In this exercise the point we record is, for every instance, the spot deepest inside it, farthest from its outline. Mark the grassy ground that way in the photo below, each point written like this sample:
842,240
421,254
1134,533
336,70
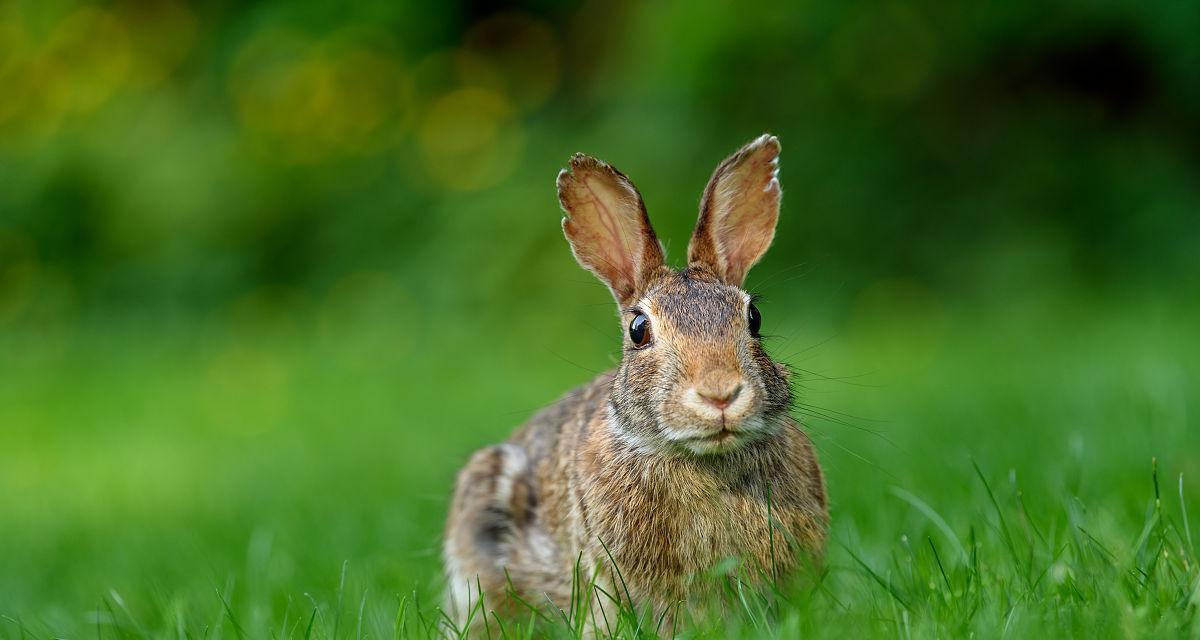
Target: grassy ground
285,473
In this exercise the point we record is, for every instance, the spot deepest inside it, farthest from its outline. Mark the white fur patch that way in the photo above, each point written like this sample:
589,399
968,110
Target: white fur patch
461,591
513,463
635,441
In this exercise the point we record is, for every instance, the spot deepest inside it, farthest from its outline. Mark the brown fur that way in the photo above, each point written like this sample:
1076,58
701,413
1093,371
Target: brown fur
607,225
673,460
738,211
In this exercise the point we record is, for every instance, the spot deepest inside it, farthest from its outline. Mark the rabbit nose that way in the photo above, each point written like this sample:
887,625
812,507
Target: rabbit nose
720,397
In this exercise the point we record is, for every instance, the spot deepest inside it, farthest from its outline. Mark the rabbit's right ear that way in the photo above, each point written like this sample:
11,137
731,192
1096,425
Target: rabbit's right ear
607,226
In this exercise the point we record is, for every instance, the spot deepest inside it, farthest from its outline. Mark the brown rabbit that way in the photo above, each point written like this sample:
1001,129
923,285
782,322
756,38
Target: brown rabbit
668,465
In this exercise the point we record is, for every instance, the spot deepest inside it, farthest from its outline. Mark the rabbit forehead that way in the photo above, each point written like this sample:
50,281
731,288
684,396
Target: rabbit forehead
696,304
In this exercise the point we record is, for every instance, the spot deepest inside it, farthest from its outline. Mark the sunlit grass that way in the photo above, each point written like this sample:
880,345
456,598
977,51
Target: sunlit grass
266,480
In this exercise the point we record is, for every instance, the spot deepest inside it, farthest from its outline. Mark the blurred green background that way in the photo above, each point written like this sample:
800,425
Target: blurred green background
270,271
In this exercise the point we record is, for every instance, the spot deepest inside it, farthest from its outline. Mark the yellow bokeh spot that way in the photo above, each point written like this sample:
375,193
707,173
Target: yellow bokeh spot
470,139
313,101
90,51
16,75
74,68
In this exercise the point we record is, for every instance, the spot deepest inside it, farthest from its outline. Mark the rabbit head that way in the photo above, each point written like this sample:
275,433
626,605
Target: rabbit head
694,378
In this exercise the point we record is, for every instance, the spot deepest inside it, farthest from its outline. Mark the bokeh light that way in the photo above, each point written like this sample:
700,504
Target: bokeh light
470,138
312,99
271,271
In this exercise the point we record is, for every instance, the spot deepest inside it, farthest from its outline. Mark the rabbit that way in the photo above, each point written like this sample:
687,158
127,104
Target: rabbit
651,474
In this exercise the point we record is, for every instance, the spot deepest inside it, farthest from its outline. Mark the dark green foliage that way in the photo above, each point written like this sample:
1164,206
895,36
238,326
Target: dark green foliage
270,271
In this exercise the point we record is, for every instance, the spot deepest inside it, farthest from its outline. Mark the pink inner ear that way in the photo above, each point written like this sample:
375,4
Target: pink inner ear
620,253
749,213
606,224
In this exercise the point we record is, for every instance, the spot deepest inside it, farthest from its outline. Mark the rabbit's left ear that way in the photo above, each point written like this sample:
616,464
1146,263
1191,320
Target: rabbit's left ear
738,212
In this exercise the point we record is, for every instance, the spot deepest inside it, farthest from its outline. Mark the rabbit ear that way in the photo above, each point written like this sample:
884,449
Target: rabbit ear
607,226
738,212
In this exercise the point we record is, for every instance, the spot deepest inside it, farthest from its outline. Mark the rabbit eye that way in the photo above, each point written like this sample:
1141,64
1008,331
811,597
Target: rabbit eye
639,330
754,319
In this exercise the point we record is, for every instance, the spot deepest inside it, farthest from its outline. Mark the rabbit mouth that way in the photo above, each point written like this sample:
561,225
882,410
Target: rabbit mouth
725,436
714,443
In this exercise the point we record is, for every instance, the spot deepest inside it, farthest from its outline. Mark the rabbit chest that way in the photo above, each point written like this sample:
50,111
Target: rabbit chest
668,522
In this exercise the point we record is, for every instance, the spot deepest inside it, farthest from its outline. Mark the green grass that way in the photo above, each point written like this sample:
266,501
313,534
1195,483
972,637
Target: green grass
285,473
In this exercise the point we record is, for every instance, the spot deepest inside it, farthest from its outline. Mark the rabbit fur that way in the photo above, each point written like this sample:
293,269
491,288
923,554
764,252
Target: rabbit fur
665,466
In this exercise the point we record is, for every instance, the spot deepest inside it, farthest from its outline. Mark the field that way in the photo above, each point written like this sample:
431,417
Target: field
283,469
270,272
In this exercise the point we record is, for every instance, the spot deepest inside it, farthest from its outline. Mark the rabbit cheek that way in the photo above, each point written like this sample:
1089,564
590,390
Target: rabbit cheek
636,399
775,380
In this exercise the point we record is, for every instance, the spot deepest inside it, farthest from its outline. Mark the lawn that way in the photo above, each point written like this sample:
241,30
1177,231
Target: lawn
271,271
283,469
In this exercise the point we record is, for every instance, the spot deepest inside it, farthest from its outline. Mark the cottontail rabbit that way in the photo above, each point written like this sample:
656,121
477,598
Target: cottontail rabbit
668,465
